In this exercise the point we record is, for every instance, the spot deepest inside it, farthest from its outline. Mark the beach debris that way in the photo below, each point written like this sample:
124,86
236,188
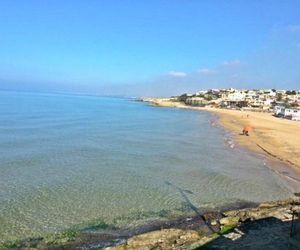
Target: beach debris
229,142
232,236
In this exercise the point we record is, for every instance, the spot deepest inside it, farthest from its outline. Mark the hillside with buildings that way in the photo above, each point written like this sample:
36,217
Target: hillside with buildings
284,103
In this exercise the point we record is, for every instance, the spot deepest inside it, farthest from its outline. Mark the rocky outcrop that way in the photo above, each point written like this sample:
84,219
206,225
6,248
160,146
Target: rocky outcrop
163,239
281,210
266,225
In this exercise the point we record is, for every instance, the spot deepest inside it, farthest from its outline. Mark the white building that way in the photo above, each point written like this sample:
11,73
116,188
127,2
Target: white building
279,111
196,101
288,113
280,91
268,102
292,114
201,92
294,98
236,96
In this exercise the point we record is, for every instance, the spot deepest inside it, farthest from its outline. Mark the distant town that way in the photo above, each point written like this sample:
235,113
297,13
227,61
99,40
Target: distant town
283,103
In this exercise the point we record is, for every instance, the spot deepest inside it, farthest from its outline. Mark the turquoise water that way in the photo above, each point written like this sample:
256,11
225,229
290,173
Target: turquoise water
74,160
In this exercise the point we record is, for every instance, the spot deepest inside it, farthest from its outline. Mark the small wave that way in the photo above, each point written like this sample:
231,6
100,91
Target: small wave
229,142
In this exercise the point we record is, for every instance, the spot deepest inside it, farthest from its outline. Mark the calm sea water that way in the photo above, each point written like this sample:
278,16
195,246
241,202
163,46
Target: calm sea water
77,160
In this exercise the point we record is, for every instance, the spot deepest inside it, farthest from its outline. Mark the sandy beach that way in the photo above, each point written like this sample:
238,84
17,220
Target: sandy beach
272,136
279,138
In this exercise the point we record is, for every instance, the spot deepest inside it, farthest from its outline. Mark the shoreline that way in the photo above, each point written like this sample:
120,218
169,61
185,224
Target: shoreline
274,138
257,228
186,232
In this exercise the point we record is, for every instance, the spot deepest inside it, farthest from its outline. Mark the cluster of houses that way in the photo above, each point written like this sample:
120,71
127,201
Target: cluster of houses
284,103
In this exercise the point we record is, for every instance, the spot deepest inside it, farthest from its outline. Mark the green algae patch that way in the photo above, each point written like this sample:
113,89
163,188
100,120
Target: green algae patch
23,244
226,229
9,245
60,238
99,225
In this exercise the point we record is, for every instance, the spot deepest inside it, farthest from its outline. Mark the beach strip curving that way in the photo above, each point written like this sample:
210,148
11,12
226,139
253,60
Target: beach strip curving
272,136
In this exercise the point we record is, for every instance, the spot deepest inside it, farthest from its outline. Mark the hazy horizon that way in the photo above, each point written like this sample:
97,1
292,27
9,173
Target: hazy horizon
134,48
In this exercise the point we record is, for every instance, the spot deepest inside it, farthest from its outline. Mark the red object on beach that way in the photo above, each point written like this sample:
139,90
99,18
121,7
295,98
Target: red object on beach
247,128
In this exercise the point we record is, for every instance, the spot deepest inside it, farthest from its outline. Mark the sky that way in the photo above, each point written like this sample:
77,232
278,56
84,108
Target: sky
157,47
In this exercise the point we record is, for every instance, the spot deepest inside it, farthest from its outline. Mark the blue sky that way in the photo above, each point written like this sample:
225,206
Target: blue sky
133,47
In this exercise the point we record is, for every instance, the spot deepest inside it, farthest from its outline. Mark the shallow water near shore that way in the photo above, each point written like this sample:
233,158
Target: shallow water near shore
78,160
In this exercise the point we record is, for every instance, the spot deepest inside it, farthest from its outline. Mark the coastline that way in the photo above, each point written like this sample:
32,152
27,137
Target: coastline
276,139
255,225
260,227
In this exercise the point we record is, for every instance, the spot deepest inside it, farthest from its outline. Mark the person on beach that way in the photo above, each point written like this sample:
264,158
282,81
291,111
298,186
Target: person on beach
246,130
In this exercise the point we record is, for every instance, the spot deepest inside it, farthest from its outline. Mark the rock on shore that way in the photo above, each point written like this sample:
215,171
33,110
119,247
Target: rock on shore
164,239
266,226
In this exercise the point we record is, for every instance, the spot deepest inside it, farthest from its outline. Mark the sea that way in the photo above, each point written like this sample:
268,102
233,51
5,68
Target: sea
73,161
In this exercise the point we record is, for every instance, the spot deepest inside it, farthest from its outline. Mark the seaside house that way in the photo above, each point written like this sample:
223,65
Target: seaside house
268,102
295,103
279,111
250,95
201,93
236,96
196,101
280,91
293,98
288,113
257,103
292,114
